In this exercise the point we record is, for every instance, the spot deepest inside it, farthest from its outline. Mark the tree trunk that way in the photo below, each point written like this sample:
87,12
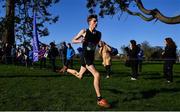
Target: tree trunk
9,36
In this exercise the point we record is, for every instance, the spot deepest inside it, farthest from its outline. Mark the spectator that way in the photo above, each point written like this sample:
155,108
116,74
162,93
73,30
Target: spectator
7,53
42,57
13,54
132,53
140,58
53,52
25,55
69,56
63,52
104,51
30,57
169,56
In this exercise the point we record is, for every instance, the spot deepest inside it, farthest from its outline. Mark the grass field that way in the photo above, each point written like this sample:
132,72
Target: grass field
27,89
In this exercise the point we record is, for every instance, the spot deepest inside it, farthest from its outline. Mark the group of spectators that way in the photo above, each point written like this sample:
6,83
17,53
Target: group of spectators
135,57
23,55
19,55
66,52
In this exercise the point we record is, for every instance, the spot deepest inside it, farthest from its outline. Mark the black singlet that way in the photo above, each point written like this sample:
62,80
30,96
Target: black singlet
89,46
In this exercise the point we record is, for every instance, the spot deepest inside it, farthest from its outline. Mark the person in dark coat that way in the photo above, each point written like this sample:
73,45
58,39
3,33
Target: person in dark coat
63,52
53,52
169,56
7,53
133,58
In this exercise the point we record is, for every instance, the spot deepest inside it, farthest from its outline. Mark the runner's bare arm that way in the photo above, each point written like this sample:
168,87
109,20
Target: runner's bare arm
78,38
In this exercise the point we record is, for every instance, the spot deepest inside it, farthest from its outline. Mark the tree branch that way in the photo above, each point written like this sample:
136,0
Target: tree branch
157,14
140,15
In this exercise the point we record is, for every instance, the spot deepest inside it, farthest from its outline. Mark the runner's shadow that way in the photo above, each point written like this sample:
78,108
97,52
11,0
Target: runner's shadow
113,104
114,91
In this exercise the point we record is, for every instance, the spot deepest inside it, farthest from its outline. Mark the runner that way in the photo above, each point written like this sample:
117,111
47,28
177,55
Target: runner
89,38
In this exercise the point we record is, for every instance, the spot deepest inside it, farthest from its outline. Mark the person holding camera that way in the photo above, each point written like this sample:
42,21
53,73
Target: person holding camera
132,53
105,52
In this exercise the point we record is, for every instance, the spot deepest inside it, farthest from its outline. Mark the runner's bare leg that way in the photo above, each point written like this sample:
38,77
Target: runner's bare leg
96,75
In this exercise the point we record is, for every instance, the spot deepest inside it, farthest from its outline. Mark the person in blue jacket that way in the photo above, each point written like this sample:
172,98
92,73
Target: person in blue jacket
69,56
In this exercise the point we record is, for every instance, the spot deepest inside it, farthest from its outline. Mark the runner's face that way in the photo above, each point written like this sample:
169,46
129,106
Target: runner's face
93,23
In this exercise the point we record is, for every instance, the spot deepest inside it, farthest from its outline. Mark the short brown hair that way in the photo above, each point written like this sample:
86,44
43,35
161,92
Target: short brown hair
90,17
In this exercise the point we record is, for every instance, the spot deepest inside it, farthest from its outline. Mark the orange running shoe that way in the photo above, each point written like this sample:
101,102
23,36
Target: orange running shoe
103,103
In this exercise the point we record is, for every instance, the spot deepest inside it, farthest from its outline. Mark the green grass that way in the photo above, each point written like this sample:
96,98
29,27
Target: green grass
27,89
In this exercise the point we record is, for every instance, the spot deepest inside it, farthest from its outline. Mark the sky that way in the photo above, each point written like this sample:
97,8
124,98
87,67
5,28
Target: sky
116,32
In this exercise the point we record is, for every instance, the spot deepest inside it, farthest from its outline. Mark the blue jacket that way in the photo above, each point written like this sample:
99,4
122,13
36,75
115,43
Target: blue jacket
70,53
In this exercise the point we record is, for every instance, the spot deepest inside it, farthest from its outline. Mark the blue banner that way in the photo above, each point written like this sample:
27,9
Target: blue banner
35,39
